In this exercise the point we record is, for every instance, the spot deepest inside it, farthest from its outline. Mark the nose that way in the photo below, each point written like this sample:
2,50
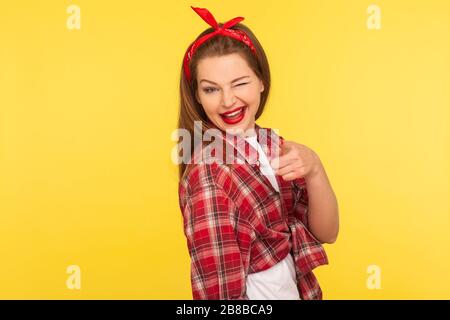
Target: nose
228,98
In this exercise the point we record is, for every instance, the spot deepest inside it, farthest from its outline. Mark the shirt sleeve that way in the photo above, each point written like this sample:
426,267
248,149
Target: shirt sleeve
300,209
301,201
217,271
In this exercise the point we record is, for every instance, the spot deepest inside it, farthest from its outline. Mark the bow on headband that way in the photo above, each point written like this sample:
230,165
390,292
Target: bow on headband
224,30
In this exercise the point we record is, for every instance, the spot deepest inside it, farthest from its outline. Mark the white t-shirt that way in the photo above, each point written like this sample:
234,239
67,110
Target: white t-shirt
264,164
279,281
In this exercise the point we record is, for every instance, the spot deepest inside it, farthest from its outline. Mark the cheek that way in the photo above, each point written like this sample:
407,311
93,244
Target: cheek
211,107
209,103
252,98
252,93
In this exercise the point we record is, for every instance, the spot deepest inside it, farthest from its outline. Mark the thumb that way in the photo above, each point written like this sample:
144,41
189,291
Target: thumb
285,146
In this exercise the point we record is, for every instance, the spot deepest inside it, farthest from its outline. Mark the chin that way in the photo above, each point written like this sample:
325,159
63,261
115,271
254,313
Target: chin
241,127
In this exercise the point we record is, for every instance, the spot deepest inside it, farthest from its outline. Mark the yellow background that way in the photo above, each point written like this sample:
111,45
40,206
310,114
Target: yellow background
86,118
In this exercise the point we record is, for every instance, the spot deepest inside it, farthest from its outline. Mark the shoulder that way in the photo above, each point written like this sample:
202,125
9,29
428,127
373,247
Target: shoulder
204,176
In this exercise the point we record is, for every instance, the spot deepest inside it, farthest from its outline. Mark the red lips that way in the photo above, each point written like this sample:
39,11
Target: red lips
236,118
228,112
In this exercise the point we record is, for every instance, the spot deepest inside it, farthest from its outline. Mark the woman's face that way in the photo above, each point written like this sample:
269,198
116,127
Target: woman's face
229,92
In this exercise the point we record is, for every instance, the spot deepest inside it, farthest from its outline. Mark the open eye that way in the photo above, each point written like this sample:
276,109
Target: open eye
209,89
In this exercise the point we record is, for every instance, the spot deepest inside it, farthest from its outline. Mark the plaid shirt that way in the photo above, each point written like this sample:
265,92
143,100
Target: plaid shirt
236,224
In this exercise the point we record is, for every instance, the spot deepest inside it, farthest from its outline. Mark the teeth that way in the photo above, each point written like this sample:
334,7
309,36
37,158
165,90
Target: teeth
233,114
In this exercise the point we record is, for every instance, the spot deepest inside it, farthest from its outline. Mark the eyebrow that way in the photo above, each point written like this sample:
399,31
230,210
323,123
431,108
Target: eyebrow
237,79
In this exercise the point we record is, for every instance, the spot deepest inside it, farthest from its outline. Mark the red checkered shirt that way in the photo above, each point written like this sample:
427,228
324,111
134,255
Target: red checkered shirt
236,224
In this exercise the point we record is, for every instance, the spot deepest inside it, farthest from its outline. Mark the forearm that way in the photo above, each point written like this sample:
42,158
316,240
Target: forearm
323,212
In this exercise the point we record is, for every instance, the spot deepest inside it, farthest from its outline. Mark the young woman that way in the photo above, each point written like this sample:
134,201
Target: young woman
254,228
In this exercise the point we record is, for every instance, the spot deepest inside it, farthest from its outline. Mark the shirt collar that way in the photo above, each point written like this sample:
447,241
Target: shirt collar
267,138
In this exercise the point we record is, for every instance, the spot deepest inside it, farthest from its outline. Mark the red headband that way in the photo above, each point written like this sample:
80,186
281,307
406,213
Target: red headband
224,30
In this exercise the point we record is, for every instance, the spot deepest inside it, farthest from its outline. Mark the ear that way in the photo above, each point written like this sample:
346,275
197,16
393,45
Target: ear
262,86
